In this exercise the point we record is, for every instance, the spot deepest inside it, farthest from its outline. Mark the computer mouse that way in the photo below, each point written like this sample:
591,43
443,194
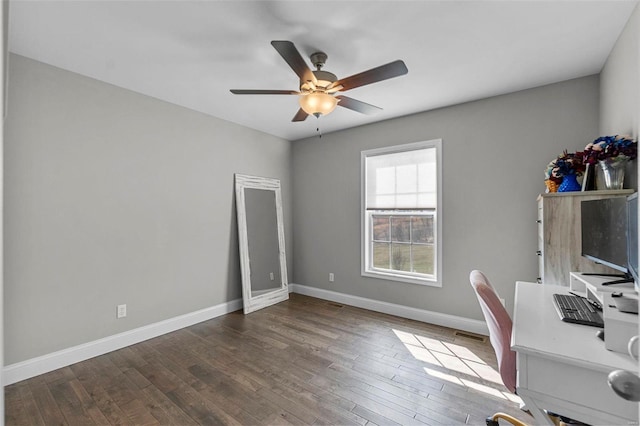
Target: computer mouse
600,334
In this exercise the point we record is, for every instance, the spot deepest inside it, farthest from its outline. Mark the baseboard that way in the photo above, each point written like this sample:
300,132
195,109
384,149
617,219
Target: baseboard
445,320
33,367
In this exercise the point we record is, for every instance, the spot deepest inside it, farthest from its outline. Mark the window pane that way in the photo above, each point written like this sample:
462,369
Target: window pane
400,228
422,229
427,177
406,200
423,259
407,179
381,228
386,201
401,257
381,255
412,172
385,182
428,199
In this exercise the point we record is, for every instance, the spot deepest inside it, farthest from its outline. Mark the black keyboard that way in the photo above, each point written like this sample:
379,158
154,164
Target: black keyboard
574,309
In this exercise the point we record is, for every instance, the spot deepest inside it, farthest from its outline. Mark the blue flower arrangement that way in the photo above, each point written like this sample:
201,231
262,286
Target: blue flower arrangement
566,164
611,147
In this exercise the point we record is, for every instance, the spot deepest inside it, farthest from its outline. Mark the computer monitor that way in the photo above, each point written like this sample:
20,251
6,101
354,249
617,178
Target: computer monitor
632,239
604,232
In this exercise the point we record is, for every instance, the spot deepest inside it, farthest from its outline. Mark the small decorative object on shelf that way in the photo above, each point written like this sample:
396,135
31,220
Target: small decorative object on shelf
589,177
613,171
552,186
569,183
612,153
562,173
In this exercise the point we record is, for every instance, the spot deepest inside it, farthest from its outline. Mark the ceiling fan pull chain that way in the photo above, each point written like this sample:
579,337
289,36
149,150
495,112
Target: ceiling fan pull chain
318,128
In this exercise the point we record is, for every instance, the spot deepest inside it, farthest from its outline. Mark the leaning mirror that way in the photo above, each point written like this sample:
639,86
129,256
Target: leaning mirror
261,240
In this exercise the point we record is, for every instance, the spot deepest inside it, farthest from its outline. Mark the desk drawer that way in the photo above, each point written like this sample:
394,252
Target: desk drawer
574,384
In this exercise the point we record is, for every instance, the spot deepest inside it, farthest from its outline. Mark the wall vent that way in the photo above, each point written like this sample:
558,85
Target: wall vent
472,336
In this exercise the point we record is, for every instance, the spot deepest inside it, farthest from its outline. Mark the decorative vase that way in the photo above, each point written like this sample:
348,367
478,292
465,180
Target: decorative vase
569,184
613,171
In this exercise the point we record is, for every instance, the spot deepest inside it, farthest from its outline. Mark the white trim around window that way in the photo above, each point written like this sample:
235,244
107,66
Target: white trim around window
415,202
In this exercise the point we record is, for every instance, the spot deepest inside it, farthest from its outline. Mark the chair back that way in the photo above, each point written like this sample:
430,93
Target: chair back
499,324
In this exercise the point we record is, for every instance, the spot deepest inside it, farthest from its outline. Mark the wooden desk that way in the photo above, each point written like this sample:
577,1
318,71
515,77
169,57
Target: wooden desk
563,367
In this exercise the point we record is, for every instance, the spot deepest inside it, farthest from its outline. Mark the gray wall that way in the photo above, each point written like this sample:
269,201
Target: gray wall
620,83
620,90
494,154
112,197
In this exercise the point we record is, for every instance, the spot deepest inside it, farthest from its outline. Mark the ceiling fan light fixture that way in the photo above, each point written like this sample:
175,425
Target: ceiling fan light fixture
318,103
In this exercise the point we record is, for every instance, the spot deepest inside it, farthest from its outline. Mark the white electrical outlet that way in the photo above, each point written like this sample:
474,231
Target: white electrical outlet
121,311
331,277
271,277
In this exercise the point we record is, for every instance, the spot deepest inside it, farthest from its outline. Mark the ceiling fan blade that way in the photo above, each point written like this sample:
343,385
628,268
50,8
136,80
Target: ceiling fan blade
290,54
300,115
357,105
263,92
383,72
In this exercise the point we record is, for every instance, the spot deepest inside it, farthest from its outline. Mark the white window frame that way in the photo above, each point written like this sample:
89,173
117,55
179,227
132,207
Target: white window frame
414,278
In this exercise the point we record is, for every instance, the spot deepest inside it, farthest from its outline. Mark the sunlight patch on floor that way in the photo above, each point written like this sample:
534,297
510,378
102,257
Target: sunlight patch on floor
454,363
485,371
422,354
463,352
433,344
472,385
455,358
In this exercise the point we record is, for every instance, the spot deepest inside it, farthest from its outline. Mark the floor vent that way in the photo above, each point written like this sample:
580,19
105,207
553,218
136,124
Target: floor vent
472,336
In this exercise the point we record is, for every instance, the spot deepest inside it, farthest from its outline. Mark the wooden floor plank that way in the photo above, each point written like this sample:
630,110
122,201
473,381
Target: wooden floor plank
163,409
88,404
237,399
70,404
46,403
373,417
296,410
34,415
303,361
111,411
189,401
15,406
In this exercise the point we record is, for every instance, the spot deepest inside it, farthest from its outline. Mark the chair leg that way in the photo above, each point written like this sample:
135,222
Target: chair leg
493,420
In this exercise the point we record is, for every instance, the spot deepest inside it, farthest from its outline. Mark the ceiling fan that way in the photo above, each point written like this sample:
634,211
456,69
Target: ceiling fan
318,89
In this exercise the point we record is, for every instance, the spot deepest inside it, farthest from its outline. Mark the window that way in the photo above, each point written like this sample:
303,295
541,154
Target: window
401,232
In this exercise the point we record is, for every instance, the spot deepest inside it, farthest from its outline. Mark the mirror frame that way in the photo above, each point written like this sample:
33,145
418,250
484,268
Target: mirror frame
251,303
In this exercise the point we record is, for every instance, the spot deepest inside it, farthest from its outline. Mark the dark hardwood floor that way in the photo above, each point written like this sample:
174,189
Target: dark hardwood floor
303,361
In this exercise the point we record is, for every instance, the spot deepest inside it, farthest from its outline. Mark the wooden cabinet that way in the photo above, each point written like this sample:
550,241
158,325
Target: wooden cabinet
560,238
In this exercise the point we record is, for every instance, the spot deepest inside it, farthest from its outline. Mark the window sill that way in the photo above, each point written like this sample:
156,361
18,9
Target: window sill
400,278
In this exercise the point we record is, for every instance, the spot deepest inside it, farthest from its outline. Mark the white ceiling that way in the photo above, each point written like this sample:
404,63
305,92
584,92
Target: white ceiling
192,52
